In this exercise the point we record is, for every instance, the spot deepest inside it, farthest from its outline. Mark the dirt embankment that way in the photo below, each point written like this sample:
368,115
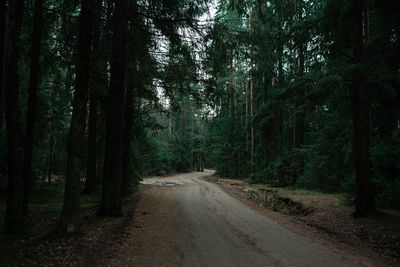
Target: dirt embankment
273,199
327,215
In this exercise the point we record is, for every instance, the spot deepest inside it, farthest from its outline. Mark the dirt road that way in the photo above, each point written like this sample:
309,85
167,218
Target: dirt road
184,220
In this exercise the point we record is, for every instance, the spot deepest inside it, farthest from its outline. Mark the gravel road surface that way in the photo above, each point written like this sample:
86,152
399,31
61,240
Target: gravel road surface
184,220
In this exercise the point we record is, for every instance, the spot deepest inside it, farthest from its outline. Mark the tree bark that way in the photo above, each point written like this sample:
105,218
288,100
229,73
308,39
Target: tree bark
299,115
279,112
129,112
127,139
364,202
14,217
3,10
252,132
92,181
252,135
32,101
111,202
69,217
300,125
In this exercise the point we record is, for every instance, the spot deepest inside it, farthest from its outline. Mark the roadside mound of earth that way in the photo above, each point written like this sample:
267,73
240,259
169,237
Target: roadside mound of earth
326,214
273,199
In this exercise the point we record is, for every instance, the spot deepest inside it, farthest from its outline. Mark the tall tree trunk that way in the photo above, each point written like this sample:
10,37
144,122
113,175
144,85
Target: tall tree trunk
246,117
361,124
3,10
92,181
299,95
300,114
252,136
69,217
299,98
300,125
52,144
252,132
111,202
127,139
279,112
14,217
32,102
51,141
281,78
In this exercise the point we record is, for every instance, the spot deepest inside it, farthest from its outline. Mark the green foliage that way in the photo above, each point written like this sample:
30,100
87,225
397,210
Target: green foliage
168,116
260,94
386,160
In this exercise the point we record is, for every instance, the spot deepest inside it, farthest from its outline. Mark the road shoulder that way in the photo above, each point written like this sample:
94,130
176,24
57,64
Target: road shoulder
308,224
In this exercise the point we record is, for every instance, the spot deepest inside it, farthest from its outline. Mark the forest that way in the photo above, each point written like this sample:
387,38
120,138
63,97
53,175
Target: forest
96,95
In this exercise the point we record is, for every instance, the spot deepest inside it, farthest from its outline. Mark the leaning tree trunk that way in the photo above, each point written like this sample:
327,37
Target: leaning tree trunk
14,217
70,213
111,202
91,182
32,102
3,10
361,120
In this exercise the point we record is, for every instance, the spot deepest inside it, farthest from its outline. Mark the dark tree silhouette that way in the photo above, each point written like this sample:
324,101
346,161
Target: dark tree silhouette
70,213
111,201
14,218
361,118
34,78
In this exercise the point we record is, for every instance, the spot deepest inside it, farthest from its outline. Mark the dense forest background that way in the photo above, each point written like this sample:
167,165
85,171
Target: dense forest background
294,82
98,94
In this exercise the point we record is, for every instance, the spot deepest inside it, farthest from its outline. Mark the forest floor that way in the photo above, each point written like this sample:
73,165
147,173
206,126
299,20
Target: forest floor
97,239
197,219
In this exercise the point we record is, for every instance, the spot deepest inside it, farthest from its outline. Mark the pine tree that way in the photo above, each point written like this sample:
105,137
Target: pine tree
34,80
111,201
70,215
14,217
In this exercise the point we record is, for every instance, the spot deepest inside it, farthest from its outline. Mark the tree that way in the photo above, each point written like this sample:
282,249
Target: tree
111,201
14,217
95,85
131,93
3,11
69,218
127,139
361,115
300,64
32,102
